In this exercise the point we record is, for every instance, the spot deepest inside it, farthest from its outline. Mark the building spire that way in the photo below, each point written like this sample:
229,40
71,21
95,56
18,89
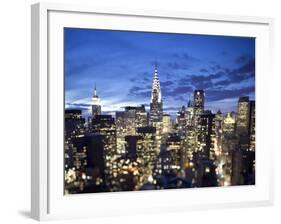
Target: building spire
95,91
156,90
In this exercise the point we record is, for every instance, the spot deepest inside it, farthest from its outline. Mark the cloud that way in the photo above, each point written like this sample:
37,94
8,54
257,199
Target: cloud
242,59
142,77
81,106
180,90
166,83
177,66
185,56
219,94
135,93
245,72
203,70
200,81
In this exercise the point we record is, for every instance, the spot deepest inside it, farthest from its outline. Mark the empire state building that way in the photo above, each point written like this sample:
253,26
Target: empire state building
96,104
156,103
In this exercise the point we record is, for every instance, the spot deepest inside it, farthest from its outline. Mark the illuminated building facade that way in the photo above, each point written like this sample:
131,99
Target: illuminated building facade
174,146
139,151
229,124
252,126
207,134
189,114
75,157
74,123
125,125
242,126
181,121
156,104
167,124
156,109
147,150
105,125
96,104
199,101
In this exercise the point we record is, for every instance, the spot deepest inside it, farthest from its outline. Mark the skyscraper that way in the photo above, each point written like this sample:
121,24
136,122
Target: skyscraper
125,125
74,123
199,100
189,113
207,133
146,151
229,125
105,125
243,120
96,106
252,125
167,124
156,109
156,104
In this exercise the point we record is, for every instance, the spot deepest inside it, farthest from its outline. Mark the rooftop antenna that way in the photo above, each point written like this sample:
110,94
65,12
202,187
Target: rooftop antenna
95,91
156,65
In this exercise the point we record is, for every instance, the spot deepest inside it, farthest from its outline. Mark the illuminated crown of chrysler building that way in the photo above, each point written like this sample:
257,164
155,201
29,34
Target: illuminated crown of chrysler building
156,105
156,90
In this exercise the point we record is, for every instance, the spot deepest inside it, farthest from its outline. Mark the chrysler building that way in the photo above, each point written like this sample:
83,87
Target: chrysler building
156,103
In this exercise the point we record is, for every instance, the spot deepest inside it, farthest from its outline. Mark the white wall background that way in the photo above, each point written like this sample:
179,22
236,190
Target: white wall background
15,110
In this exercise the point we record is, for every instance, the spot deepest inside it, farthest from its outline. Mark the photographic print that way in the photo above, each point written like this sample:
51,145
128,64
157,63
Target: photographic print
156,111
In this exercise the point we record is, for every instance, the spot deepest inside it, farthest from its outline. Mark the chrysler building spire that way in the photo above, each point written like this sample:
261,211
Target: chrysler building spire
156,90
156,105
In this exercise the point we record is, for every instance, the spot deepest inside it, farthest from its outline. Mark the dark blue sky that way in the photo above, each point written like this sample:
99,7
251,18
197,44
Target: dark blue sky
122,66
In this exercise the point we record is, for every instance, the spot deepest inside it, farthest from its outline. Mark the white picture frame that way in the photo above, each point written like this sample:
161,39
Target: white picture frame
47,198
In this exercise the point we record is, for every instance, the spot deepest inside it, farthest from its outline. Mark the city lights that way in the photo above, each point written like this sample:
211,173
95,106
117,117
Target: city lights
136,150
157,111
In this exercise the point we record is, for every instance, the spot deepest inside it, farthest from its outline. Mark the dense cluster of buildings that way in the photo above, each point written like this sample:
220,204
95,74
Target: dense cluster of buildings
145,150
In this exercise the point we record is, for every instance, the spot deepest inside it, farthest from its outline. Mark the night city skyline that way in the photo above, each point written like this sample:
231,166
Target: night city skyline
154,111
223,66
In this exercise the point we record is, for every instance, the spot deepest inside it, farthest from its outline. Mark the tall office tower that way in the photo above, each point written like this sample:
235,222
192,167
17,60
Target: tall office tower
90,157
243,167
74,123
237,167
189,140
242,126
127,122
167,124
96,104
228,125
156,109
146,150
141,117
205,171
218,121
173,145
218,128
105,125
125,125
189,145
199,100
156,104
181,121
131,145
163,163
207,134
252,126
189,113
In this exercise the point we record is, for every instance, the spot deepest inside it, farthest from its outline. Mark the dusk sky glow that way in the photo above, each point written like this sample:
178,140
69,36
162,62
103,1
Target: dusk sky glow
121,64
